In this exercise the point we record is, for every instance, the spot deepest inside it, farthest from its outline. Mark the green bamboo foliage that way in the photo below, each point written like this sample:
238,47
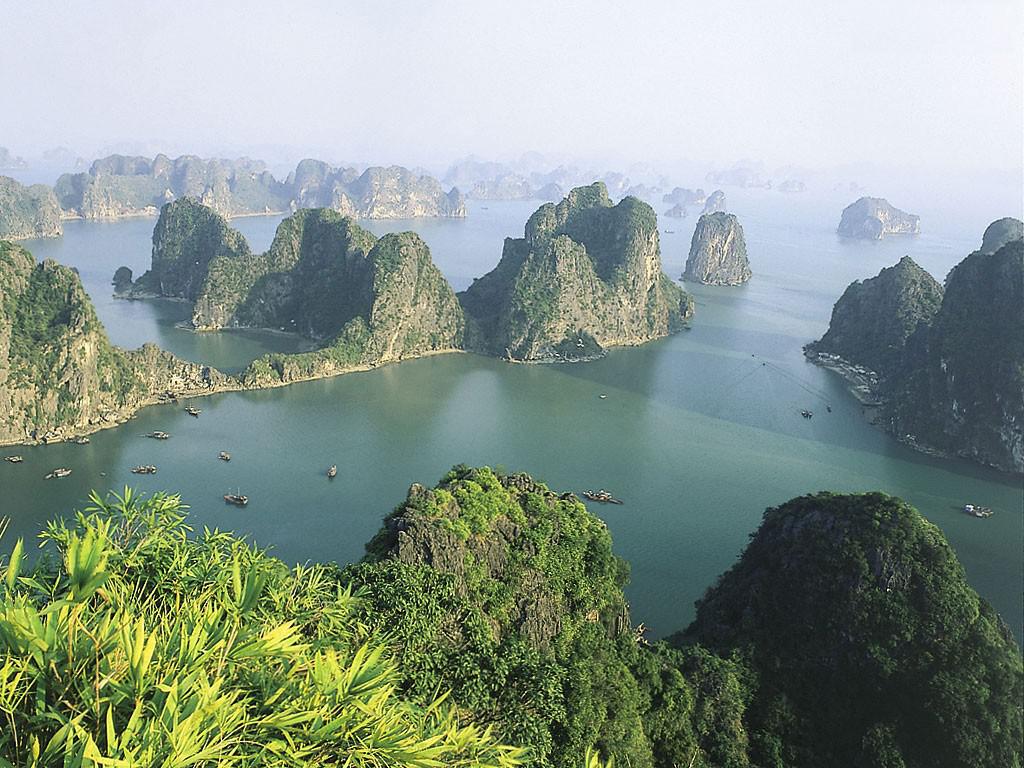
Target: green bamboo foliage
132,643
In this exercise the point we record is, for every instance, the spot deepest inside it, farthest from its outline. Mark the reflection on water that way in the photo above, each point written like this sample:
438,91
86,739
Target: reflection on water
698,433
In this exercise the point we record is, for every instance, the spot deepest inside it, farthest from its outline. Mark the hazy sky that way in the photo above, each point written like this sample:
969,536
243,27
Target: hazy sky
920,84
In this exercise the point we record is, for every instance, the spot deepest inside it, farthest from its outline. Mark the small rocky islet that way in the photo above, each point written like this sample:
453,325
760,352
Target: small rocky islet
718,252
872,218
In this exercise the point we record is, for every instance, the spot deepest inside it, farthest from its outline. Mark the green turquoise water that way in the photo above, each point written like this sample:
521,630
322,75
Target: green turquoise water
698,433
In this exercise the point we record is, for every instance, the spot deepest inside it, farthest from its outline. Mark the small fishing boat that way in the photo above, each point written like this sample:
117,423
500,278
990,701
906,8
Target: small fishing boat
601,496
237,499
224,456
976,510
80,440
14,459
603,396
193,411
158,435
144,469
807,414
58,472
333,471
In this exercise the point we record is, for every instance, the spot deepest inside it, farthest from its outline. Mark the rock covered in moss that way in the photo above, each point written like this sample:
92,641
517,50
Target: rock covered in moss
583,266
868,644
873,318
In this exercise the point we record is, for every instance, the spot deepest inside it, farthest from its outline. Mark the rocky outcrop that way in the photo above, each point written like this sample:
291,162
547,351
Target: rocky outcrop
119,186
872,218
509,186
718,252
585,276
715,202
1001,232
873,318
378,193
122,281
27,211
677,211
959,388
187,237
860,593
683,196
484,528
59,374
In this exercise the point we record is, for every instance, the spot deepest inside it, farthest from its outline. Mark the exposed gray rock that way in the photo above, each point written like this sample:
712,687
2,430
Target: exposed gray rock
872,218
718,252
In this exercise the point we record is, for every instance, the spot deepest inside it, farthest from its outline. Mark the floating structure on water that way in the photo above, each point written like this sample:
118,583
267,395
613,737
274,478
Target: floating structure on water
83,440
14,459
807,414
158,435
976,510
333,471
144,469
237,499
192,411
602,496
58,472
224,456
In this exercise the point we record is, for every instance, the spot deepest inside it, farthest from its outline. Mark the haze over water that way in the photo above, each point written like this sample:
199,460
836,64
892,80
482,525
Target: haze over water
698,433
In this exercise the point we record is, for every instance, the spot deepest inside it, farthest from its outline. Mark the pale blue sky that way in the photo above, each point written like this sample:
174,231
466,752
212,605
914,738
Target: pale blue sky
921,84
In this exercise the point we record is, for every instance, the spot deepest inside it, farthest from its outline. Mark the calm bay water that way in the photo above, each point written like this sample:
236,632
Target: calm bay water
698,433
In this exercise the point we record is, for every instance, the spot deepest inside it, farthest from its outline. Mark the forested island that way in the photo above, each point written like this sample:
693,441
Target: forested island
945,364
587,276
120,185
487,626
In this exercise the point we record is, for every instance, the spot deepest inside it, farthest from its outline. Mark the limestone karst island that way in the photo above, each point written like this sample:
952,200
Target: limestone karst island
511,385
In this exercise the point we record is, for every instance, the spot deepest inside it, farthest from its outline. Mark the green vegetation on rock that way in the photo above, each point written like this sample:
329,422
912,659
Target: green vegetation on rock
867,645
136,644
583,266
873,318
27,211
59,374
489,610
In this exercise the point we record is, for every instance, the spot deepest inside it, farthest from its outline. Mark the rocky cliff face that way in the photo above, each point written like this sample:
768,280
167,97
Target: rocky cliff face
718,252
715,202
392,304
378,193
872,218
118,186
59,375
27,211
677,211
585,276
873,318
960,385
187,237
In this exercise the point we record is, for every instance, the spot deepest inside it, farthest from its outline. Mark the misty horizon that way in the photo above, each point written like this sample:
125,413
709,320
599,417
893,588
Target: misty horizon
937,87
